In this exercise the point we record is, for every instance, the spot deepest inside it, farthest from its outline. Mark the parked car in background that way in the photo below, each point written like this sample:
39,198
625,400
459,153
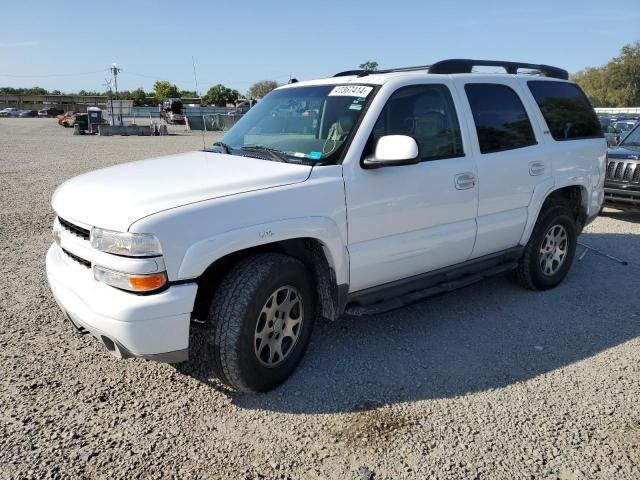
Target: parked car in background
50,112
624,126
9,112
28,113
613,135
172,110
622,183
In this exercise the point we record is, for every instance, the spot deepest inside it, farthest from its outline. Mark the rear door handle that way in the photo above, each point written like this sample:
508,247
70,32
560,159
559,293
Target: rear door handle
536,168
464,181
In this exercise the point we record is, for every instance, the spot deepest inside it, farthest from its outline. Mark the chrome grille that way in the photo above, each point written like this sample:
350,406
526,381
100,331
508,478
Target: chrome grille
623,171
77,259
74,229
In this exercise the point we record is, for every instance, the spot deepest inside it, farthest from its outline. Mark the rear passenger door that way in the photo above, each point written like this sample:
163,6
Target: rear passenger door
510,159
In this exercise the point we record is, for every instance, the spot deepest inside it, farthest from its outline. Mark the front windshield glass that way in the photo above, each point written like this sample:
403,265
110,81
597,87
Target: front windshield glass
632,139
299,124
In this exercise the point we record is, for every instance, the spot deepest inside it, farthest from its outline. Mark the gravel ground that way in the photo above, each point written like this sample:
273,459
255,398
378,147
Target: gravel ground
488,382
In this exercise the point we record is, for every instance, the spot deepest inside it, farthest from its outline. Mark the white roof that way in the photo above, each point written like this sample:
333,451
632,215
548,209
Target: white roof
382,78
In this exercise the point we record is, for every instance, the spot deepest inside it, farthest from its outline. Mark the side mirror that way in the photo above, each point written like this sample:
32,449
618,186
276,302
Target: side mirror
393,150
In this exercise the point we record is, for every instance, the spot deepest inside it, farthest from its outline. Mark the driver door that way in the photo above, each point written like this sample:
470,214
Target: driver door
411,219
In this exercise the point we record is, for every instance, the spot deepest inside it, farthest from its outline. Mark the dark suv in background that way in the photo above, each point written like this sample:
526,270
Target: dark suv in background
50,112
622,184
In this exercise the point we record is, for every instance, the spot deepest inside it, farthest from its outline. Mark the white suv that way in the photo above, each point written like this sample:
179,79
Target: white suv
360,193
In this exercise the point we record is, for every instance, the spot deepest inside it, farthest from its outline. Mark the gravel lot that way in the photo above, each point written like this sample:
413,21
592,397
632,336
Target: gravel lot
488,382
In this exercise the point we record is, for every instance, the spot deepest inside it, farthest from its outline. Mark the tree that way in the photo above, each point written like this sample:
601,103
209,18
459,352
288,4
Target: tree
220,95
165,89
188,94
261,88
617,84
369,65
139,97
56,92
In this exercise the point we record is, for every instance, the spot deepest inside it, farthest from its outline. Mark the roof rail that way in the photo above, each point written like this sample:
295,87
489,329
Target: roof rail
466,66
362,73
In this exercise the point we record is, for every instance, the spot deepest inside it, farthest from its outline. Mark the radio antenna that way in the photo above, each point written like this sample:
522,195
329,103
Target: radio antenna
204,124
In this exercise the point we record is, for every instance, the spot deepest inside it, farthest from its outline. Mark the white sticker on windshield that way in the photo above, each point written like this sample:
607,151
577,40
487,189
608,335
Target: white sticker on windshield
350,91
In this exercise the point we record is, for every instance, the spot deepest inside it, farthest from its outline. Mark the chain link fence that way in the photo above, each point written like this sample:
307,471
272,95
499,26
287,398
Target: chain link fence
213,122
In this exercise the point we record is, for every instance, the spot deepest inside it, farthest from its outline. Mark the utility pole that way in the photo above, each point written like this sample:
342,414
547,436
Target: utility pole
115,70
107,83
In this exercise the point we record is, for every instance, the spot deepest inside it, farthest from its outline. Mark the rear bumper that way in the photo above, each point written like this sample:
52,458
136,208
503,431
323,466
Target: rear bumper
128,325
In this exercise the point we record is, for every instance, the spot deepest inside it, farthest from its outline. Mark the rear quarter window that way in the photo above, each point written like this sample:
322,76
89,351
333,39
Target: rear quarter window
566,109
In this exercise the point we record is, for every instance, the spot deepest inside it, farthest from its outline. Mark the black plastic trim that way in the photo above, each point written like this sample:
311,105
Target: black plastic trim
464,65
442,276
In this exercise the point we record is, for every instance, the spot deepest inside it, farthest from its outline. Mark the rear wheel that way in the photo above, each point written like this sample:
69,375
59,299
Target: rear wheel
549,253
260,322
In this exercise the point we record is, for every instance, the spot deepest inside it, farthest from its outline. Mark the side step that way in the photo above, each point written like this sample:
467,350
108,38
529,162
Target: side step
419,295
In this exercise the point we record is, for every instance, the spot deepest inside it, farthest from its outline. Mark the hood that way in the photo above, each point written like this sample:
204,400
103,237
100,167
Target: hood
115,197
622,152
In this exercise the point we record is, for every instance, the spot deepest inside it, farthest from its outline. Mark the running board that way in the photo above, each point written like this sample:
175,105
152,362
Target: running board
416,296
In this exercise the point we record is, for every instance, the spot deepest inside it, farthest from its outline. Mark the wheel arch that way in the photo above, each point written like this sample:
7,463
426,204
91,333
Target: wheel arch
331,289
576,194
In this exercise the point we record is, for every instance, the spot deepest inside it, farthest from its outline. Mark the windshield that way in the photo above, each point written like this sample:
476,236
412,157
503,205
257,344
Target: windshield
299,124
633,138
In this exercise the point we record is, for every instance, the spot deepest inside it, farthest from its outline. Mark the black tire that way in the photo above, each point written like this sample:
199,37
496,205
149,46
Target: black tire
234,315
529,273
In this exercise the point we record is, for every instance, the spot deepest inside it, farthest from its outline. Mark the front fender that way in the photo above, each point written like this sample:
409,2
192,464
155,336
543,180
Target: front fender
203,253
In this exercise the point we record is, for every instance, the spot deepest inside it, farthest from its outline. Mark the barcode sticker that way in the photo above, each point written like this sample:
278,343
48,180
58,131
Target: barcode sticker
350,91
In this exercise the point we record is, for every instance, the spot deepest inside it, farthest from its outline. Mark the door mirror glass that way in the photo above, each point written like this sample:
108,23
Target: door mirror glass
394,150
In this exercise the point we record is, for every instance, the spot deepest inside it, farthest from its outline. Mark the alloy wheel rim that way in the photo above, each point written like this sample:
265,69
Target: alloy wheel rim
278,326
553,250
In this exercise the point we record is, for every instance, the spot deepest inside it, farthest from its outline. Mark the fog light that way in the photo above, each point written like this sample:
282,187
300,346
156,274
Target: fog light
130,282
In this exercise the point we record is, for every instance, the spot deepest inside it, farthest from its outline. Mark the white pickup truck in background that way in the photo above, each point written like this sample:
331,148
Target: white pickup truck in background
361,192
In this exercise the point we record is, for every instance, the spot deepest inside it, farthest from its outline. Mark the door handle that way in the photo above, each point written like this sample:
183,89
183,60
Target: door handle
536,168
465,181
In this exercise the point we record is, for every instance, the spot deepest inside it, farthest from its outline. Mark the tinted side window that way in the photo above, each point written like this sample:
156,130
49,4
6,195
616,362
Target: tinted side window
568,113
501,120
426,113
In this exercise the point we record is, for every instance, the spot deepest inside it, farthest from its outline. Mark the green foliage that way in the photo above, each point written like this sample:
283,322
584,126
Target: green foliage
24,91
188,94
139,97
220,95
260,89
617,84
370,65
164,89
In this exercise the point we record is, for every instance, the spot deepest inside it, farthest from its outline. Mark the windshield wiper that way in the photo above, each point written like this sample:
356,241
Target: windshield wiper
280,155
225,148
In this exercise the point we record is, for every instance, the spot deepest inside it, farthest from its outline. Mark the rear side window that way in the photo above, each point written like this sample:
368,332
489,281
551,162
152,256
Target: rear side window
501,120
567,111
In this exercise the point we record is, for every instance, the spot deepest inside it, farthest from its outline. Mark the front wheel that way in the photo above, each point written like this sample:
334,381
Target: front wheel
549,253
260,322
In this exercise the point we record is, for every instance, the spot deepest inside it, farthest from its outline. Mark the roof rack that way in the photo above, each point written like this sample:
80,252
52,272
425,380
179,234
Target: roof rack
466,66
459,65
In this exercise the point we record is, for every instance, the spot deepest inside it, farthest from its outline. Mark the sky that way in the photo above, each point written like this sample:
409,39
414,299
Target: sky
69,45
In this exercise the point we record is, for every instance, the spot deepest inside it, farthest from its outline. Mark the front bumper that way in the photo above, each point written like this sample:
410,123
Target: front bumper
622,197
150,326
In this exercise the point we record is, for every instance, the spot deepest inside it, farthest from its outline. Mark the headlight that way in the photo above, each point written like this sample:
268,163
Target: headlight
57,230
127,244
128,281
